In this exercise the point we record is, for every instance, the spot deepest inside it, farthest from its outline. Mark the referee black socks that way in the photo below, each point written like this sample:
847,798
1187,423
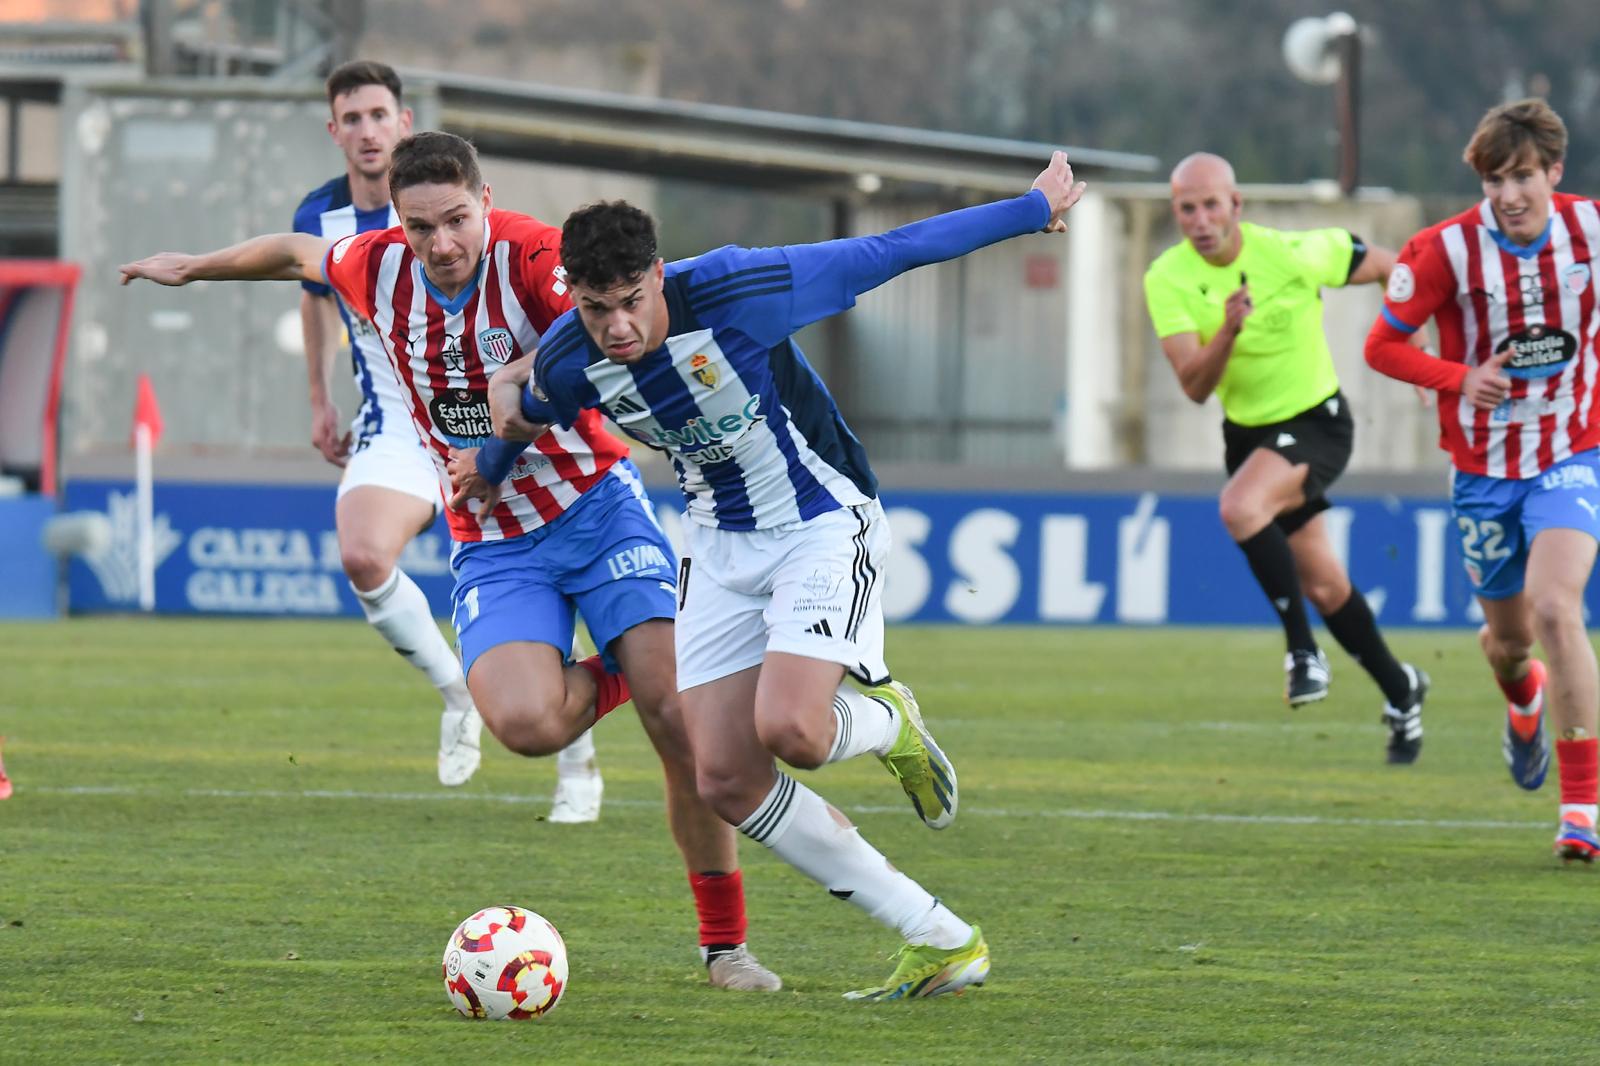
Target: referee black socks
1273,564
1357,633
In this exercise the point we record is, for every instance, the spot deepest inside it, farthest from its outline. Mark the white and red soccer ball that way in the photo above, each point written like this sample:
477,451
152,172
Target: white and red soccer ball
505,962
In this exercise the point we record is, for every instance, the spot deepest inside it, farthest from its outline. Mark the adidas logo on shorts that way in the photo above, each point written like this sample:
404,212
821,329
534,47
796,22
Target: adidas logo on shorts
821,628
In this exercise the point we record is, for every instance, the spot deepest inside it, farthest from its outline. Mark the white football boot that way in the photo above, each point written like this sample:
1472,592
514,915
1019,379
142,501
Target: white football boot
577,798
459,752
578,783
740,971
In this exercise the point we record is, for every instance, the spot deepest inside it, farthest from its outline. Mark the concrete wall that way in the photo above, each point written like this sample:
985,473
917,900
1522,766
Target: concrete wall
202,166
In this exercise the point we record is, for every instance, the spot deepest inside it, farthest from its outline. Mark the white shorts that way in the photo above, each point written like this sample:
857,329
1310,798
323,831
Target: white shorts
813,588
395,460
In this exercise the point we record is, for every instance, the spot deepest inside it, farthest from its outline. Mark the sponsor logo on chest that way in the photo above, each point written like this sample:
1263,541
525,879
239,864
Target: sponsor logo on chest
1540,352
704,440
461,416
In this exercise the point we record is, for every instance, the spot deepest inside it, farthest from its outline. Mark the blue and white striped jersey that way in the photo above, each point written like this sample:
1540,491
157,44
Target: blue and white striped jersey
754,434
327,211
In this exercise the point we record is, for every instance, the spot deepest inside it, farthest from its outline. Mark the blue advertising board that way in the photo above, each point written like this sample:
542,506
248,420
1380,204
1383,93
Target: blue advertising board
235,549
965,557
27,572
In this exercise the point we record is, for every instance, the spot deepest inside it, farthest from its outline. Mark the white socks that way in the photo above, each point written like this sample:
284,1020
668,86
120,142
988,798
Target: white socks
1587,810
814,838
861,724
577,758
398,609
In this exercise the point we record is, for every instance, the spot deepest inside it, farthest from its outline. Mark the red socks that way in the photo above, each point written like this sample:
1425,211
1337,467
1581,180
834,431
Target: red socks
1523,691
612,688
719,901
1576,762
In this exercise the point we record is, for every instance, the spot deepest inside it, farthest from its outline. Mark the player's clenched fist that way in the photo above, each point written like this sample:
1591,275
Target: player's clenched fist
1058,187
1237,308
1485,387
467,484
163,268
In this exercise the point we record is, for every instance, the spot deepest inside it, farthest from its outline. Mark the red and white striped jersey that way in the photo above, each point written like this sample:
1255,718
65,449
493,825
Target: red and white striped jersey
1487,294
444,351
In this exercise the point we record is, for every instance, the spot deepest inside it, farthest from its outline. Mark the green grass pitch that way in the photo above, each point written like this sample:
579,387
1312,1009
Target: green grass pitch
227,845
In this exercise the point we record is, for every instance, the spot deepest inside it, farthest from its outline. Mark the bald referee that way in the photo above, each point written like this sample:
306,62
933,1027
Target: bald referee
1238,309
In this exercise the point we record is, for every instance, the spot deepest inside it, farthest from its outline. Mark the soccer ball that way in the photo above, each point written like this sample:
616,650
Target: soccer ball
505,962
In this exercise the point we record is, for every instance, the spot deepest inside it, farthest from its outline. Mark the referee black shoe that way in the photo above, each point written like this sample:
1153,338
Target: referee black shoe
1405,724
1308,678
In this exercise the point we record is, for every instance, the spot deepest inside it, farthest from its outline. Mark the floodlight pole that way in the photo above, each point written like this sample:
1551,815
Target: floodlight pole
1348,106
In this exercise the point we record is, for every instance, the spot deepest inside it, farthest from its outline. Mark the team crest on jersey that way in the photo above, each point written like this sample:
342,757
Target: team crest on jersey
496,345
1576,278
343,247
703,370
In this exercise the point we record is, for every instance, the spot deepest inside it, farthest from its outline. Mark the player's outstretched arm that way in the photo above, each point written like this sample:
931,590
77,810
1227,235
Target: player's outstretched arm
827,277
275,257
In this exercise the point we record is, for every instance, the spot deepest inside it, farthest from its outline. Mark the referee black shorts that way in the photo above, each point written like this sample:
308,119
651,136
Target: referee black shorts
1320,437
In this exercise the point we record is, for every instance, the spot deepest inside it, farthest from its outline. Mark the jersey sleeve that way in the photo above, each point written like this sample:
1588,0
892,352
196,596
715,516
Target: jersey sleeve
768,293
1169,311
347,267
1323,255
308,220
1419,285
539,270
558,391
747,289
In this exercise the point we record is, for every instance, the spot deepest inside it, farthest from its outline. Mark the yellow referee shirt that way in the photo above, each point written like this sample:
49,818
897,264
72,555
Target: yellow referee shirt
1280,365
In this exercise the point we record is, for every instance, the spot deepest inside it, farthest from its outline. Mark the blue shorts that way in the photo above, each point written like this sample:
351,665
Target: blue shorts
606,557
1499,517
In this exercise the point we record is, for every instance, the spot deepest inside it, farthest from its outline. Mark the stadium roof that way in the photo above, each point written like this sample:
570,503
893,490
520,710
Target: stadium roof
736,145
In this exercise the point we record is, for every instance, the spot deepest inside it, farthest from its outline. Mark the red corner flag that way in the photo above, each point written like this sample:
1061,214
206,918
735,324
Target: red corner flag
146,412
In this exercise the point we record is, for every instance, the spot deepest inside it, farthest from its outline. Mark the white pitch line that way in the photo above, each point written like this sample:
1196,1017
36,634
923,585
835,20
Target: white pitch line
1072,813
